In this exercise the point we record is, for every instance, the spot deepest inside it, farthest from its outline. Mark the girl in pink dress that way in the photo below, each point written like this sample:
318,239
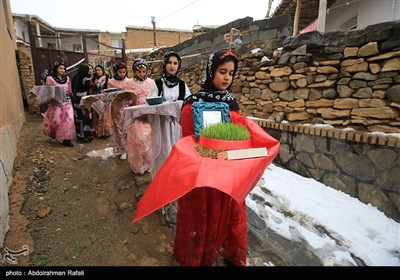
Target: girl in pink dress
58,120
121,82
139,133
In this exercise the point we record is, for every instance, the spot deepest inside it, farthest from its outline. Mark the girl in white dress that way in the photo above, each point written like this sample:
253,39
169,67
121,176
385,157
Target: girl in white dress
170,86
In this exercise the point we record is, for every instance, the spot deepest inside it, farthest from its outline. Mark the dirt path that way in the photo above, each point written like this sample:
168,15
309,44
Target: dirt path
74,210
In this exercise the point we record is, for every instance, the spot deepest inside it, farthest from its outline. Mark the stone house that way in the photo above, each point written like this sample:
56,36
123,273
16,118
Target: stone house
143,37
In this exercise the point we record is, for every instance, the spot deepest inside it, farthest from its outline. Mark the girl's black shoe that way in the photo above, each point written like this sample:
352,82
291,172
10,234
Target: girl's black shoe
67,143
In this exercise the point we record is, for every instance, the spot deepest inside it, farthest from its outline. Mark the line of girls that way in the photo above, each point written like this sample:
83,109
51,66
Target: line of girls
137,147
63,122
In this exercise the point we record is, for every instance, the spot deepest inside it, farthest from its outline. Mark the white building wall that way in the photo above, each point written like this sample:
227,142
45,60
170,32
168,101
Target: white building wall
368,12
21,30
372,12
337,16
396,10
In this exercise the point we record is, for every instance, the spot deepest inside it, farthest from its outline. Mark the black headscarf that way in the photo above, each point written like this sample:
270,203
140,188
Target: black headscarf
169,80
208,91
54,73
80,82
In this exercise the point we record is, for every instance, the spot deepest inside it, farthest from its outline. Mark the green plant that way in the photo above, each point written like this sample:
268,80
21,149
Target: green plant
226,131
41,260
221,131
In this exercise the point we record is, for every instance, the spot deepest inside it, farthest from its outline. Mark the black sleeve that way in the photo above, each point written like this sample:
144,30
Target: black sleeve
159,85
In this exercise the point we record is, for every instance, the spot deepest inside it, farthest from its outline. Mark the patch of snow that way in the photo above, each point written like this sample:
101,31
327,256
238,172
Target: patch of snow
104,154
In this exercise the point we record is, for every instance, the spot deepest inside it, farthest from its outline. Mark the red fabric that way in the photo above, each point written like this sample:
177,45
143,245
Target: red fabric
218,144
211,193
210,222
187,120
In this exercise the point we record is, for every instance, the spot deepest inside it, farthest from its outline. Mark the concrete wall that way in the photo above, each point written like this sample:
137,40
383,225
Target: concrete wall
368,12
371,12
338,16
107,38
11,113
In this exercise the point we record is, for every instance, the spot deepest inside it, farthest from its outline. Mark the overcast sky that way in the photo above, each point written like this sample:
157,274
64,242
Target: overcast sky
114,15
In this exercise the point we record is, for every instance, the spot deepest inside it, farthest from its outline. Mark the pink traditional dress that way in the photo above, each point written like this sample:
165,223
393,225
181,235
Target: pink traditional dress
118,132
101,122
58,120
139,133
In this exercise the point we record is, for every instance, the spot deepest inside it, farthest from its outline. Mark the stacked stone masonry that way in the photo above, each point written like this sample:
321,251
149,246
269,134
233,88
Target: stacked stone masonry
360,88
360,164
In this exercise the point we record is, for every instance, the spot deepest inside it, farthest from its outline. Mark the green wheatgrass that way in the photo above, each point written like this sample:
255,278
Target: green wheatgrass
221,131
226,131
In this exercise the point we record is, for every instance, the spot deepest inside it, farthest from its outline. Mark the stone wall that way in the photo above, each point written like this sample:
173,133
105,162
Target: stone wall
27,76
346,79
358,163
324,81
257,32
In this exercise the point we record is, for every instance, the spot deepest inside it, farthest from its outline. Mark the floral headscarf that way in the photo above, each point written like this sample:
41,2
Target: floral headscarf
54,73
215,60
208,91
137,64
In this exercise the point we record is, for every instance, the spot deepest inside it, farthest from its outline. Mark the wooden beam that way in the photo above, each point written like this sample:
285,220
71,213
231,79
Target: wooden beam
296,18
